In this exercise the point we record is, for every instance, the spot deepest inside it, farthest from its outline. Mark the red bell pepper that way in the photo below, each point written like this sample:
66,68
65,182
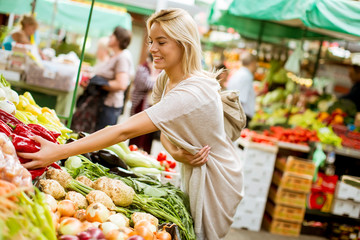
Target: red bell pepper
37,172
23,130
42,132
5,128
23,144
9,119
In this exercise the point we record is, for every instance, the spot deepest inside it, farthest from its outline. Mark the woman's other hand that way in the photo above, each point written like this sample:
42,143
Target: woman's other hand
197,160
183,156
44,157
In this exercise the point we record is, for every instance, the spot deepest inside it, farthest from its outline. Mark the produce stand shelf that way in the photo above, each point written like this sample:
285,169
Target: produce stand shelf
63,99
321,216
294,147
347,152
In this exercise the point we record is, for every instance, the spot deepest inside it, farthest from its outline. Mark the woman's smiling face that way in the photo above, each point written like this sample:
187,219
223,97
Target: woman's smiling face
167,53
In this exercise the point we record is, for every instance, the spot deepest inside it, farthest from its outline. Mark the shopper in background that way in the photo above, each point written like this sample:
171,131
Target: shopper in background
103,53
143,84
242,80
117,71
222,77
25,35
354,94
189,112
102,101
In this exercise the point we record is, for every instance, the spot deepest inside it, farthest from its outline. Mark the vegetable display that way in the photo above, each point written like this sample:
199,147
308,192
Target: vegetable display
128,195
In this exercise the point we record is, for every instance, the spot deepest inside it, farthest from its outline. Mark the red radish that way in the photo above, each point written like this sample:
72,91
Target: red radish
68,237
84,236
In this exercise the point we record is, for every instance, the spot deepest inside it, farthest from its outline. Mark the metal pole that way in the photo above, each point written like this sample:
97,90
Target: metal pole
48,43
33,5
81,60
261,32
317,60
11,20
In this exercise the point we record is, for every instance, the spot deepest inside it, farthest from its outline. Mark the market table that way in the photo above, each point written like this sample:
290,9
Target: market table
61,100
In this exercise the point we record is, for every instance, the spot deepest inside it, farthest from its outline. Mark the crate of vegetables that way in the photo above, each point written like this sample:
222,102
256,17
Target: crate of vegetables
292,181
295,165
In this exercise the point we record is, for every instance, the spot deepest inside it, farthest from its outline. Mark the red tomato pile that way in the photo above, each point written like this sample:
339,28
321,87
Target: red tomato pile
256,137
168,164
296,135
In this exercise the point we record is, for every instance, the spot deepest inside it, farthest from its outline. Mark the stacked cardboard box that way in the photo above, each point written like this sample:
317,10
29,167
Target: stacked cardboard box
258,166
285,208
346,201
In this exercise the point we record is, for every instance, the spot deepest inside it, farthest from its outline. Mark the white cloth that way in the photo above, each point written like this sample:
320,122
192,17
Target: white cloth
191,116
242,80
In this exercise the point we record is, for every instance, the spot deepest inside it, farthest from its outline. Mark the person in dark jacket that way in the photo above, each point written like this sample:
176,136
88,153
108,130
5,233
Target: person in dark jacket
354,94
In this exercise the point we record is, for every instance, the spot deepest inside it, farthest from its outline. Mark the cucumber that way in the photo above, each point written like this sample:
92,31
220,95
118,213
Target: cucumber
125,147
135,159
118,151
144,170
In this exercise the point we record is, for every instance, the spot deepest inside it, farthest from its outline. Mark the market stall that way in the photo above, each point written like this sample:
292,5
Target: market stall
316,135
118,192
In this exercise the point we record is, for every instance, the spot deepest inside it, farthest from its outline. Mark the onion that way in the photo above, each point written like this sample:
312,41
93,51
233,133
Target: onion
119,220
107,227
80,214
55,219
136,237
97,212
66,208
163,235
70,226
50,200
146,224
86,225
145,233
115,235
126,230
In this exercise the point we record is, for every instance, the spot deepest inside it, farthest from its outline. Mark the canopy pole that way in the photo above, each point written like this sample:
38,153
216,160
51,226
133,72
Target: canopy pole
50,33
79,70
317,59
33,5
261,32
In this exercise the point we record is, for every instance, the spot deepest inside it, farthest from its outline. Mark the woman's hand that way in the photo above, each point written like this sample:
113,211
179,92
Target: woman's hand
197,160
44,157
183,156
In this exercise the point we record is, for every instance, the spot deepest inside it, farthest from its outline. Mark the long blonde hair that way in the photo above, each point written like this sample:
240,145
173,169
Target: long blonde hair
180,26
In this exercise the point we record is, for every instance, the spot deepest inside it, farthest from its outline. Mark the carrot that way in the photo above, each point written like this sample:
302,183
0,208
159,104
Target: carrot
7,187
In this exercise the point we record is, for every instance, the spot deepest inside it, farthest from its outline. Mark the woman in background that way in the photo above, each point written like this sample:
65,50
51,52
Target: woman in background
25,35
144,81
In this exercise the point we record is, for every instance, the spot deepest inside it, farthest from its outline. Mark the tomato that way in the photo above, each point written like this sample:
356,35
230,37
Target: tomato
172,164
133,147
164,163
168,176
170,170
161,156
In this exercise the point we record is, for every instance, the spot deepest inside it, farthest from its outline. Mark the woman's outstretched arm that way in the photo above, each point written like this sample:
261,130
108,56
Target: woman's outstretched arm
136,125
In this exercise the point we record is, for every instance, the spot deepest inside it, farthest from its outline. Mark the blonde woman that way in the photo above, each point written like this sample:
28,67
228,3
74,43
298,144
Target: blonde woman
188,112
25,35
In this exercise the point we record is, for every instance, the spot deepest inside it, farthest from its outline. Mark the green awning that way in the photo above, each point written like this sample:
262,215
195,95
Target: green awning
72,16
273,20
15,6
